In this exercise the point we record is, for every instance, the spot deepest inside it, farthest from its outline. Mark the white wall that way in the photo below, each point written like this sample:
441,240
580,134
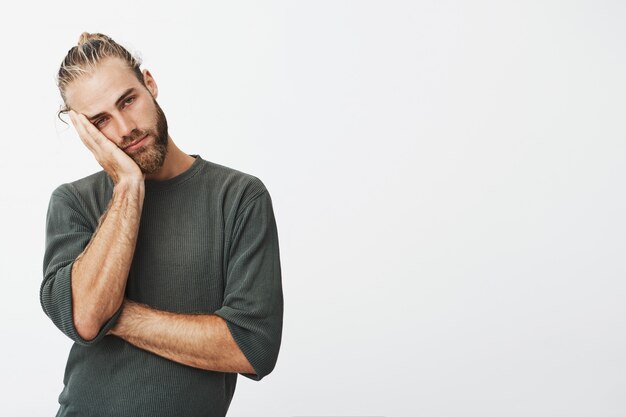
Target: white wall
447,177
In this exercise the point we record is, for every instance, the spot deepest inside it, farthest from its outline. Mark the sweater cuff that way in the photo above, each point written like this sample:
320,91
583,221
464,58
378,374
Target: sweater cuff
254,342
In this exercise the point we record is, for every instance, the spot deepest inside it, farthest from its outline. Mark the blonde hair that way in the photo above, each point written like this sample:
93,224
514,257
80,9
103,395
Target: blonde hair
83,58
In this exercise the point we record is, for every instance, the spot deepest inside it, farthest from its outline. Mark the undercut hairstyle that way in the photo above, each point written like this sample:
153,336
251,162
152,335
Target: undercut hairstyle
83,58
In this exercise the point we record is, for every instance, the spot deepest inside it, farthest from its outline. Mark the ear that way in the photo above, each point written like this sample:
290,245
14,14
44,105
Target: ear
150,83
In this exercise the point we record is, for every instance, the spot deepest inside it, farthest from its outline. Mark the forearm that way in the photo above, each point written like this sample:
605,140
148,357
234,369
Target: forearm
100,272
198,340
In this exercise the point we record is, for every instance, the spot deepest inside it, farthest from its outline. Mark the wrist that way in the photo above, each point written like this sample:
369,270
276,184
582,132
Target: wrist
130,183
120,325
130,188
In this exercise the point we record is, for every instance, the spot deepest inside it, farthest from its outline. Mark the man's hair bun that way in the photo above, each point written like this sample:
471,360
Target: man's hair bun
86,37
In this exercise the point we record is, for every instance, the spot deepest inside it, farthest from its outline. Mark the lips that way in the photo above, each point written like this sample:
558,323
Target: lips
135,144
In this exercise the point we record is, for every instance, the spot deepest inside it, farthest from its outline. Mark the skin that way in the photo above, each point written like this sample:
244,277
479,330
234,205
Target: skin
100,272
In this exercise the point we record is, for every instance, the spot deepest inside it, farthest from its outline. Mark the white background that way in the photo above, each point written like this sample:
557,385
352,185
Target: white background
447,178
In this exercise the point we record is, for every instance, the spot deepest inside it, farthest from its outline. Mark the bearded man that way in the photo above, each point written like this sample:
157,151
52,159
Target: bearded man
163,268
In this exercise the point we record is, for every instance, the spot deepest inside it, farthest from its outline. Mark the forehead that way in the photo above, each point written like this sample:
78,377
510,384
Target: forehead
97,91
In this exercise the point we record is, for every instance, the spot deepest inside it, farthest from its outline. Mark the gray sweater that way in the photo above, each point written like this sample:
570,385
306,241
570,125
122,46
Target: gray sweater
207,243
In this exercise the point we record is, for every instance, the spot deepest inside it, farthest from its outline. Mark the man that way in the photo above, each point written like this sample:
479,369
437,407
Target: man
163,268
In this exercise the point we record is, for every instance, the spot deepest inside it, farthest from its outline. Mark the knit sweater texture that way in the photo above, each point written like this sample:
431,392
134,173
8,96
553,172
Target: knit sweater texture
207,244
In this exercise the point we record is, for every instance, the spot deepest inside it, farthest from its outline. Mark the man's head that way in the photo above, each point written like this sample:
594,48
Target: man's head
102,80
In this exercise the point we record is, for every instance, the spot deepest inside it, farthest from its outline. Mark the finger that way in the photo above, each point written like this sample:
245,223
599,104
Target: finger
82,133
93,131
82,123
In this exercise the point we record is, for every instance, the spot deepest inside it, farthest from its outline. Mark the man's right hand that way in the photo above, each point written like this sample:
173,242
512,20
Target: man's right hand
100,272
114,160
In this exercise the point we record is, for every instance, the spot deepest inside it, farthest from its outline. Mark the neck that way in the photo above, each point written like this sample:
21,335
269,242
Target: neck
176,162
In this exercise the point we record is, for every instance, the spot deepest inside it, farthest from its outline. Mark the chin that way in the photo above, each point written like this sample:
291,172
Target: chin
152,158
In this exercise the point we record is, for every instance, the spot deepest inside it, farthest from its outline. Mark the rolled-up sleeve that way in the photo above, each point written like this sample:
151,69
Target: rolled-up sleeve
67,235
253,297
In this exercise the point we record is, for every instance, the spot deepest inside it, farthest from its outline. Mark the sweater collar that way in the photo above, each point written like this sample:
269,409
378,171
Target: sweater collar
154,185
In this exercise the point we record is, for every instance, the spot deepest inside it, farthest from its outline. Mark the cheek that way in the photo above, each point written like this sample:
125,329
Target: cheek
147,114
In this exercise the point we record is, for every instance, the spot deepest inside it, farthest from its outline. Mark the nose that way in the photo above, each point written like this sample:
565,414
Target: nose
126,128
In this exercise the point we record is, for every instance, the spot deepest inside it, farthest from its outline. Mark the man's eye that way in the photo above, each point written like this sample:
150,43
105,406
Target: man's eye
98,122
129,100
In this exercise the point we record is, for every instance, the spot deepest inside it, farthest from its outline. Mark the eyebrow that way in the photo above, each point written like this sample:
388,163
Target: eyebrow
117,102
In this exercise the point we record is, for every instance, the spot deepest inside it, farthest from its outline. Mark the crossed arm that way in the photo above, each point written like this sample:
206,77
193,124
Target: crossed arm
199,340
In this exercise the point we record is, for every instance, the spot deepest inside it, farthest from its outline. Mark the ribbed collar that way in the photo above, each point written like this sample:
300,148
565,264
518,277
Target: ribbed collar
154,185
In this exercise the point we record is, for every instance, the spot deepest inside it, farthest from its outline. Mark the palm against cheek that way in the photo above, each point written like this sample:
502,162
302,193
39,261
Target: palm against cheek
114,161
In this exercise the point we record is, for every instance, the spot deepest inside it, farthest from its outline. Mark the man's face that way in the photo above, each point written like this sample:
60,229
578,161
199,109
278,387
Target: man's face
124,111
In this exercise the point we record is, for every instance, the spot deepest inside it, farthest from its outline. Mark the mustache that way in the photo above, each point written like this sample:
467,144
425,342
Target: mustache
133,138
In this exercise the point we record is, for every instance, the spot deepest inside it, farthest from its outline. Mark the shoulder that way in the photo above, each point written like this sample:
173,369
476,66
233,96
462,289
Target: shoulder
88,195
98,180
233,184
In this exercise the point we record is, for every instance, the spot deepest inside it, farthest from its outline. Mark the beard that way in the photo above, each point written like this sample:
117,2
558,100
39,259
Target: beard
151,157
